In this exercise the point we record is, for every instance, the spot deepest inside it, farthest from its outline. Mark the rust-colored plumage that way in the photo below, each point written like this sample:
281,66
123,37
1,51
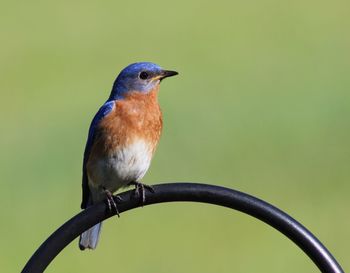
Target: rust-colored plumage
137,116
125,142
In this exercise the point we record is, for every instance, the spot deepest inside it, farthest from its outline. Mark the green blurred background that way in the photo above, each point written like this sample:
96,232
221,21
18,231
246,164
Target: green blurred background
262,105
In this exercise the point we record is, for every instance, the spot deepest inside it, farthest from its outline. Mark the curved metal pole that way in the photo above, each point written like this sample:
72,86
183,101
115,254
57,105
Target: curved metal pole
187,192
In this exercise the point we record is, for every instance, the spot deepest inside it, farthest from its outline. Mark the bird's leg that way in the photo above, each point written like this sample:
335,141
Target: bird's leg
111,202
140,190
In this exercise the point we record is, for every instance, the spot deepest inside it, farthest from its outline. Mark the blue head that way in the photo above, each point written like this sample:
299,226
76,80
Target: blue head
138,77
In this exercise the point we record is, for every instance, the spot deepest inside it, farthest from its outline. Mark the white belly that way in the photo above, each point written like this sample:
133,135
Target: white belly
123,166
132,162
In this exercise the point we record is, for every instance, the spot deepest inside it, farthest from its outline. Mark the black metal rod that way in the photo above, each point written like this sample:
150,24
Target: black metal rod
193,192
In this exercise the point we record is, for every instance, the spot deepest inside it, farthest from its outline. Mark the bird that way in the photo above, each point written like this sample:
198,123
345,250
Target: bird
122,140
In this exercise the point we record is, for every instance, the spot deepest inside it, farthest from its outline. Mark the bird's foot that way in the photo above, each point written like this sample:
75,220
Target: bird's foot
140,190
111,201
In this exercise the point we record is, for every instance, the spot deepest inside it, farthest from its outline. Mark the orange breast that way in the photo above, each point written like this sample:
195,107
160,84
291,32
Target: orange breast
136,116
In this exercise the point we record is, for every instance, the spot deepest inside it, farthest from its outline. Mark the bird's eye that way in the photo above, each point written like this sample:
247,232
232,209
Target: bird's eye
143,75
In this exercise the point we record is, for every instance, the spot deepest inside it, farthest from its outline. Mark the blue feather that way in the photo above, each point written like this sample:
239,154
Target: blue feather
102,112
128,79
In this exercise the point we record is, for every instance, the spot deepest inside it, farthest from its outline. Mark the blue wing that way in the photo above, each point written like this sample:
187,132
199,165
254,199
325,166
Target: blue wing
102,112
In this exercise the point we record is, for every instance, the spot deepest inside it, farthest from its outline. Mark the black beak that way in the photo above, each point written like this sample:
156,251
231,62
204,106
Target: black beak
167,73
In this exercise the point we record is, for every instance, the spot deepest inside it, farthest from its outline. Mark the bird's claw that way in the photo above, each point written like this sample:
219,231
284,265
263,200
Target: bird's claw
140,191
111,201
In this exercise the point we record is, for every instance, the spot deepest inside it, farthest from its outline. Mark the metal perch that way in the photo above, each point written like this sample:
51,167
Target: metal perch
193,192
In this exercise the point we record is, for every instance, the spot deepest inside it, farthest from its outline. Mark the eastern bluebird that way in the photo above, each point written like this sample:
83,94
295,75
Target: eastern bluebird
122,139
